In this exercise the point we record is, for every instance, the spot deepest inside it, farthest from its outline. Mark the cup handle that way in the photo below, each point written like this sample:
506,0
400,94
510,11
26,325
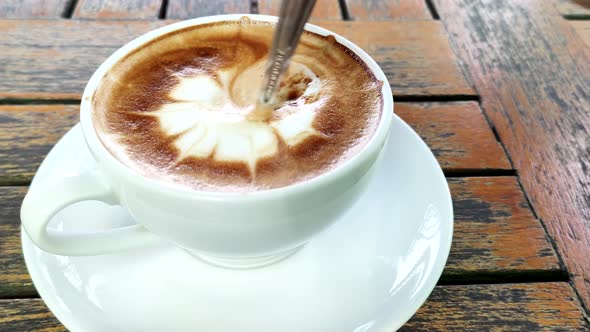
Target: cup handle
46,199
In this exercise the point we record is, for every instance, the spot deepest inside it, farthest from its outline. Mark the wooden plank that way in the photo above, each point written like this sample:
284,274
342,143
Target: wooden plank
387,9
415,55
495,234
573,9
511,307
324,9
457,134
533,72
583,30
54,59
14,278
117,9
27,133
495,231
27,9
185,9
29,315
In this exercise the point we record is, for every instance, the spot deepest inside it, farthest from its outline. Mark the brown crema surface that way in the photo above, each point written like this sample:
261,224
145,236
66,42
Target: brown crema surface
130,105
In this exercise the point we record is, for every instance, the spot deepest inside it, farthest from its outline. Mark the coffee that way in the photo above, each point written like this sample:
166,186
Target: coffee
176,109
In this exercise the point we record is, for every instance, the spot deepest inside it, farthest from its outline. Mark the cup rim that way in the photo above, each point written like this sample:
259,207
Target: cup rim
102,155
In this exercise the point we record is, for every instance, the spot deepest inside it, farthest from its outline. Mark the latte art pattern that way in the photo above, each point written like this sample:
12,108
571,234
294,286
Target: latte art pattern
180,109
199,127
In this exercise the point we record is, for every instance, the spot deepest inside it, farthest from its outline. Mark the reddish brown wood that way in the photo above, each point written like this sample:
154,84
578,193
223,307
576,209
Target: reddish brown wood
324,9
533,72
27,133
457,134
495,230
583,30
14,278
185,9
375,10
117,9
27,9
29,315
415,55
511,307
40,61
577,9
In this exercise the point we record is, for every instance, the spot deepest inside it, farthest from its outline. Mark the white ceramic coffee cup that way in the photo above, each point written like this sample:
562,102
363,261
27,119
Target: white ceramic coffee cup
235,229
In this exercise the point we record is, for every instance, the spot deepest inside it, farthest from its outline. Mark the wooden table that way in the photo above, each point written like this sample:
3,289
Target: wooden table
500,91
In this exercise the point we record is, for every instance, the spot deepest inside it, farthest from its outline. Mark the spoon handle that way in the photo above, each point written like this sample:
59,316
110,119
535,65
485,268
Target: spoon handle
293,16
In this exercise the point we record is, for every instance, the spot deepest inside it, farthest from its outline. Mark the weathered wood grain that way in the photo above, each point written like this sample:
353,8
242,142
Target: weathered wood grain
457,134
14,278
324,9
576,9
533,73
27,133
54,59
583,30
495,235
185,9
510,307
27,315
415,55
27,9
375,10
495,230
117,9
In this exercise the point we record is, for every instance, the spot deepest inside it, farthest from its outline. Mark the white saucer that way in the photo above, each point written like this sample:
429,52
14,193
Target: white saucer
371,271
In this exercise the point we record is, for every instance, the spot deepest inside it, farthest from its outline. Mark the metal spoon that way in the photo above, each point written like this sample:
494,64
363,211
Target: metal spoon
293,16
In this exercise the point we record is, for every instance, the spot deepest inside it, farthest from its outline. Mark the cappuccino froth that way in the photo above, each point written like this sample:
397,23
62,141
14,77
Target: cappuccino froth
177,109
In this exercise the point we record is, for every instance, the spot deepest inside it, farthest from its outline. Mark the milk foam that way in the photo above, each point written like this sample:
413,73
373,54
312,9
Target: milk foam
180,108
199,120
